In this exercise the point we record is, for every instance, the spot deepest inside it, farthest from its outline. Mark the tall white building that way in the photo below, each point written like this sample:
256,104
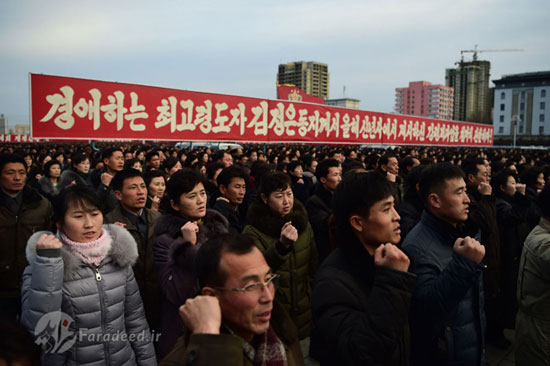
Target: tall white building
522,99
3,124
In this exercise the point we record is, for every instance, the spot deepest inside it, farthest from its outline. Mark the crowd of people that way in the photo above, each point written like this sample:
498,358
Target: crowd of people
272,254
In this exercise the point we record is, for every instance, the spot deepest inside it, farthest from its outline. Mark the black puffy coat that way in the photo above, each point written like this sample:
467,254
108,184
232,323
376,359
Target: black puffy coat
360,310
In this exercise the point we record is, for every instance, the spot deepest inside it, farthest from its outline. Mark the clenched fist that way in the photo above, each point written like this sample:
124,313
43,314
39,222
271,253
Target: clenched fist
202,314
388,255
106,179
48,242
485,189
289,234
189,231
469,248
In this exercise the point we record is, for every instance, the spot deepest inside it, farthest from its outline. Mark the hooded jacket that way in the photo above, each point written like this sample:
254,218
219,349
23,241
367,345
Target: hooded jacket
101,303
296,267
47,189
175,264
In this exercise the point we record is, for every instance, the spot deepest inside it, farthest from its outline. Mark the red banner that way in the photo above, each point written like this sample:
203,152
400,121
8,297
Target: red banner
69,108
294,94
16,138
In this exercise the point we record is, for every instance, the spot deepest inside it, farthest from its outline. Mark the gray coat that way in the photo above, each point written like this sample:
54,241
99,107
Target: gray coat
101,302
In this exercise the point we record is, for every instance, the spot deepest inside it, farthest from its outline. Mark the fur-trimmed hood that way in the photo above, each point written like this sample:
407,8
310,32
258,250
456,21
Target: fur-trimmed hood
264,219
124,250
47,187
171,224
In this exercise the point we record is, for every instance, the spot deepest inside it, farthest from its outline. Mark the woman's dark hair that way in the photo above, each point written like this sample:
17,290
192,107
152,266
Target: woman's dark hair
356,194
77,158
149,175
500,179
181,182
168,164
77,195
544,201
48,165
212,168
129,164
529,176
274,181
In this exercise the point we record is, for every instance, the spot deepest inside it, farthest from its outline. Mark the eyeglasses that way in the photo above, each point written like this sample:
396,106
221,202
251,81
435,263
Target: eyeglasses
255,287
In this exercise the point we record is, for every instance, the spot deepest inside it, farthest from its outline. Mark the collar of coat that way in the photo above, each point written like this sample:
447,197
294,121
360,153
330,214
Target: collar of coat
264,219
123,251
171,224
47,186
359,259
324,195
442,227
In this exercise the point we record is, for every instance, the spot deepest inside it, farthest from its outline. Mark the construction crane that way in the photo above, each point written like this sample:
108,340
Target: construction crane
475,52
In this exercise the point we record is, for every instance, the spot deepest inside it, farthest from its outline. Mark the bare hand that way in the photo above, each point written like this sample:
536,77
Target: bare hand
388,255
289,234
202,314
485,189
520,188
106,179
300,181
222,199
48,242
120,224
189,231
391,177
469,248
155,203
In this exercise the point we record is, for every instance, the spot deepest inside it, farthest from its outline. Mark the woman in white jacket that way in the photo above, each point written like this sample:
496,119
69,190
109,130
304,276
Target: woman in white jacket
79,295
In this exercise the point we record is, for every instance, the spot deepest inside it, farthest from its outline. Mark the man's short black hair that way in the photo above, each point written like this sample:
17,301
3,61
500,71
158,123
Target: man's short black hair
219,155
323,167
149,175
529,176
108,152
227,174
356,194
207,260
11,158
274,181
150,154
471,166
385,159
434,177
118,181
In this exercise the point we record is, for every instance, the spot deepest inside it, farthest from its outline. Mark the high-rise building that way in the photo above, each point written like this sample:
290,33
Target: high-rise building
422,98
470,81
520,102
312,77
3,124
344,102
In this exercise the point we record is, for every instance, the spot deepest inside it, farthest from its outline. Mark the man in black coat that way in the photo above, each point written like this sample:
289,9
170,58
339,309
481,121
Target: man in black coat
362,291
319,205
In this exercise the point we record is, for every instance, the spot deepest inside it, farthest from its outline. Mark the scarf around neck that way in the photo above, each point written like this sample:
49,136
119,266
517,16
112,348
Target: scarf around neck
92,252
269,350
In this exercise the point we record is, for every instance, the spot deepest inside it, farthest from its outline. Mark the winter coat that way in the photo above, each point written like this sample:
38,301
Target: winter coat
235,217
447,311
144,268
47,189
104,193
533,319
296,266
34,215
360,310
511,220
227,349
175,265
410,211
319,209
68,176
102,303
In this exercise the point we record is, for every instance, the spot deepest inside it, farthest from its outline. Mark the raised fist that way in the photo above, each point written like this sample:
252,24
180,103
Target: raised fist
388,255
485,189
391,177
289,234
202,314
155,203
106,179
520,188
48,242
189,231
469,248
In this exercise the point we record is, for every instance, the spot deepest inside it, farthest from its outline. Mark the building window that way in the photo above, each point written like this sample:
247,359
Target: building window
541,130
522,106
520,129
502,107
542,105
502,95
543,93
521,117
501,118
501,130
541,118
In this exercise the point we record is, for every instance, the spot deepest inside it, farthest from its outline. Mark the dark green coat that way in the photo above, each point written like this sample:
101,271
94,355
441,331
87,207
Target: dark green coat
296,268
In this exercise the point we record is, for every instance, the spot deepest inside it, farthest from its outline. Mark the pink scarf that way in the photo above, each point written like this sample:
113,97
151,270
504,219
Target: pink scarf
92,252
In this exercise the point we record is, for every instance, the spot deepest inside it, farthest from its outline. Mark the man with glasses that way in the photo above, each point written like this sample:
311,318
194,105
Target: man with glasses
235,319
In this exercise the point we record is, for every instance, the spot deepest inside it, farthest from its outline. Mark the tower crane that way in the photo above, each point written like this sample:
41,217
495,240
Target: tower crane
475,51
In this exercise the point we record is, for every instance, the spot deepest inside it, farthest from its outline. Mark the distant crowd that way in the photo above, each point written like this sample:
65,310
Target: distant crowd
272,254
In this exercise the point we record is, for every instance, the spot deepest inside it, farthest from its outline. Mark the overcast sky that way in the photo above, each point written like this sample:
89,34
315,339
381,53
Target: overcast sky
234,47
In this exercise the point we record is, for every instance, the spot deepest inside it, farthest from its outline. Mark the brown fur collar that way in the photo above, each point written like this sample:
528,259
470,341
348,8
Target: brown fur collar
261,217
